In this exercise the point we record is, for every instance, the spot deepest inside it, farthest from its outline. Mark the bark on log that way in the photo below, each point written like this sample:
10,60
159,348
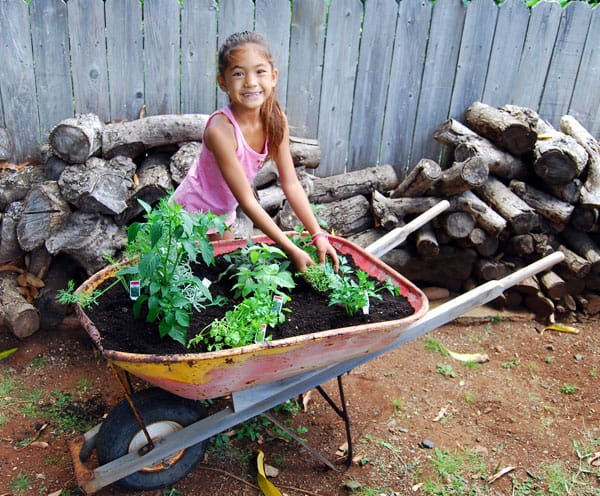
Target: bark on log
426,242
487,218
569,192
584,218
99,185
589,303
54,167
344,217
450,269
361,182
389,213
44,212
488,269
20,316
10,250
590,192
132,138
15,186
485,244
89,239
573,265
6,145
152,181
582,244
467,144
183,159
460,177
528,286
422,177
500,127
520,216
77,138
521,245
558,159
540,305
549,207
38,262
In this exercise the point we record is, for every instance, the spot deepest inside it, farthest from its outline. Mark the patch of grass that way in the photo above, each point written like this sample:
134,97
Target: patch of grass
511,364
398,406
21,483
549,359
435,346
470,399
445,369
569,388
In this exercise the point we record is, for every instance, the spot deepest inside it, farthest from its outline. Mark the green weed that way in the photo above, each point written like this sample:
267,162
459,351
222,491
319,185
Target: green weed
569,389
445,369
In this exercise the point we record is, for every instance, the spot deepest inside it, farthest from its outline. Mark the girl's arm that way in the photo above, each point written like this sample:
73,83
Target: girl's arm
298,199
220,139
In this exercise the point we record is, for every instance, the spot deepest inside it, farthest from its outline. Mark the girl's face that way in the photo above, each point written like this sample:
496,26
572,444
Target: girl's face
249,79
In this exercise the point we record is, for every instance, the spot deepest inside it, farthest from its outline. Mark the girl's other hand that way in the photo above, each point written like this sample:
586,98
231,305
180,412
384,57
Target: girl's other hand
300,258
324,249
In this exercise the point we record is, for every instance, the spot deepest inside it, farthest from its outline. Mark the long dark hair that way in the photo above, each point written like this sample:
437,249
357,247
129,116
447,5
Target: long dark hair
271,115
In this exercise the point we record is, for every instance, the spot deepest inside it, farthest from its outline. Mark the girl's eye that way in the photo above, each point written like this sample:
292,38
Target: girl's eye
238,74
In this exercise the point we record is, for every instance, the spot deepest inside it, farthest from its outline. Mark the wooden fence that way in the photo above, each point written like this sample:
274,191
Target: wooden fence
371,80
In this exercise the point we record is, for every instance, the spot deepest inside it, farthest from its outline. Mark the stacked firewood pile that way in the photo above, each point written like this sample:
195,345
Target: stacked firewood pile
517,188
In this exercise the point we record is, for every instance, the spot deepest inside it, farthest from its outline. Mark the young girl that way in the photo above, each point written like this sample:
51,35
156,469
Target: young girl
238,139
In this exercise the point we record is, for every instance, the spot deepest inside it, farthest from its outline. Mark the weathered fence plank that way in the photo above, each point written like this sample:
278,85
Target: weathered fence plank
343,37
585,104
374,63
511,28
438,76
475,48
161,54
412,34
50,41
88,57
124,46
278,34
17,83
306,58
537,52
198,56
562,73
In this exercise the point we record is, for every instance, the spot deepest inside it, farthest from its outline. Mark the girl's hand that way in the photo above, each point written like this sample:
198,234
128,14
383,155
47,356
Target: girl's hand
300,258
324,249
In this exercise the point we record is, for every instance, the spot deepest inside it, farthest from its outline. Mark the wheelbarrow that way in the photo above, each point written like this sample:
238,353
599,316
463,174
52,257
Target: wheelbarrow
155,436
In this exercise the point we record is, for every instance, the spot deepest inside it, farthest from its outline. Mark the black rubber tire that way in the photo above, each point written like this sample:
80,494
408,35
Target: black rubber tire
158,409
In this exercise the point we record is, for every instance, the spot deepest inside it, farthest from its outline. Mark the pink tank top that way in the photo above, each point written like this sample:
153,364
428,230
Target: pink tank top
204,189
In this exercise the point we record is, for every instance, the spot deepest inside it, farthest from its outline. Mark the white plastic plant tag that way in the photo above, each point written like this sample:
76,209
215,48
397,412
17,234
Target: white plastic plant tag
261,334
134,289
365,309
206,283
278,303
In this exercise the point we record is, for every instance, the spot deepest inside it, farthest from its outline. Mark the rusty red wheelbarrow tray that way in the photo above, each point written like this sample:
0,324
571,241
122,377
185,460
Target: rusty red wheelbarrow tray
262,376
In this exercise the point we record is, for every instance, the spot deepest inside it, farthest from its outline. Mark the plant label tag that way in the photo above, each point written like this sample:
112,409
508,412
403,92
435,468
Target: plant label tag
206,283
278,303
261,334
365,309
134,289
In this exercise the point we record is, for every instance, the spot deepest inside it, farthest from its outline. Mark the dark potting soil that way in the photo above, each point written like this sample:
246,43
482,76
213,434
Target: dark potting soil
309,312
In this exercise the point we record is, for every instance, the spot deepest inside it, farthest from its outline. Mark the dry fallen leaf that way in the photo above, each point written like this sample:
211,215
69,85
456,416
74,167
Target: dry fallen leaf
441,413
499,474
306,397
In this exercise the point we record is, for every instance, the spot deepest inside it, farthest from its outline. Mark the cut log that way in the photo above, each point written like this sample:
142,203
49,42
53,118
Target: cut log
152,182
181,161
15,186
528,286
582,244
573,265
520,216
487,218
590,303
54,167
569,192
558,159
552,209
553,285
305,152
540,305
273,198
10,250
44,212
488,269
421,178
343,217
457,225
485,244
521,245
18,315
500,127
426,242
360,182
467,144
584,218
267,175
77,138
6,145
38,262
99,185
450,269
590,192
90,239
132,138
389,213
460,177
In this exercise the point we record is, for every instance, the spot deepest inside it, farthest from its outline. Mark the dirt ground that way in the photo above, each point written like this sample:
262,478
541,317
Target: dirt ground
513,410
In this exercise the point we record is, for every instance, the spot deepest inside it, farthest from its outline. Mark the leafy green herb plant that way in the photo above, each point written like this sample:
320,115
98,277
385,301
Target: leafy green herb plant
162,249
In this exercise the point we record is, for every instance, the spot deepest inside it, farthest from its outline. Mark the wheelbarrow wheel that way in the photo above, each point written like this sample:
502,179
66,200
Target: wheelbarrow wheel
163,413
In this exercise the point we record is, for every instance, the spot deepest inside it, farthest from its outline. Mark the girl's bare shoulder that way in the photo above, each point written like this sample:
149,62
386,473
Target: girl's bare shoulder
219,130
